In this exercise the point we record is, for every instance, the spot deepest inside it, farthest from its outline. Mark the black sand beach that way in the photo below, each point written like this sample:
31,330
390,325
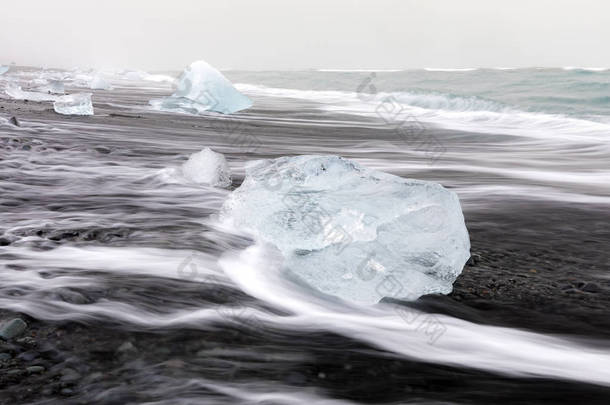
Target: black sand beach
537,265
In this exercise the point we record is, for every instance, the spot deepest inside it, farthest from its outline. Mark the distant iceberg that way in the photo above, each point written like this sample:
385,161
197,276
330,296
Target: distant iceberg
74,104
98,83
352,232
207,167
16,92
3,69
134,75
202,88
52,87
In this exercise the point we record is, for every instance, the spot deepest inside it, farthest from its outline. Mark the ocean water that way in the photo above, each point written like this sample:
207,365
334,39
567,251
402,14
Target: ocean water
97,232
548,125
579,93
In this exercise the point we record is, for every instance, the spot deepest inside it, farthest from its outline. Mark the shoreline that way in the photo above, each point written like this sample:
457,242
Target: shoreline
540,267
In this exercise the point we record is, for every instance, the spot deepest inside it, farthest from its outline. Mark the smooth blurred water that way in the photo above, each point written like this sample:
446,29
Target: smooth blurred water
99,233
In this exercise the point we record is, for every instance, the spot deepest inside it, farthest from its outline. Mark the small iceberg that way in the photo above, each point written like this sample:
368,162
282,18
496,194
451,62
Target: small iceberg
52,87
352,232
74,104
3,69
207,167
16,92
135,75
98,83
202,88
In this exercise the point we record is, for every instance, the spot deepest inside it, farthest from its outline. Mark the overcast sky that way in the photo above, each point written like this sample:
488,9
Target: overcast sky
301,34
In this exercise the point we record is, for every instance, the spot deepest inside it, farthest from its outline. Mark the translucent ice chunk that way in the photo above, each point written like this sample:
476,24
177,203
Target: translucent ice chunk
203,88
74,104
3,69
52,87
16,92
98,83
134,75
352,232
56,87
207,167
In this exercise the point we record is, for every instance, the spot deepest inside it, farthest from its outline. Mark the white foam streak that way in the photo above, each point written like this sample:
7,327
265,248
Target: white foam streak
588,69
275,394
256,271
246,393
361,70
474,195
450,69
116,311
490,348
470,114
144,261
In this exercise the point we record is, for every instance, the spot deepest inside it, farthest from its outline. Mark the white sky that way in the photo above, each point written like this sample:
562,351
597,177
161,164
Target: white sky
301,34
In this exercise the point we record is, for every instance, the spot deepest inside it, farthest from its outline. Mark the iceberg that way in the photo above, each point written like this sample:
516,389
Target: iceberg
207,167
134,75
3,69
98,83
52,87
352,232
16,92
81,79
74,104
202,88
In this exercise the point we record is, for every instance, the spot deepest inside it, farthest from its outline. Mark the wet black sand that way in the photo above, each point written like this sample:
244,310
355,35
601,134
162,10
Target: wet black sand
540,266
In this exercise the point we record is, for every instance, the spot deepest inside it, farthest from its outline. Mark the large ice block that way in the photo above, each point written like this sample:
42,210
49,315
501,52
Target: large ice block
352,232
74,104
203,88
207,167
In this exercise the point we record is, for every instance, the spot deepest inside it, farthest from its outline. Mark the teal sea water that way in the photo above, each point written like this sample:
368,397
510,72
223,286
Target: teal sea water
574,92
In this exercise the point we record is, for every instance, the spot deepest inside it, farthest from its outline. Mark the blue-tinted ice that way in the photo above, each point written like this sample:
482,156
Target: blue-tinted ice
15,91
74,104
202,88
99,83
352,232
207,167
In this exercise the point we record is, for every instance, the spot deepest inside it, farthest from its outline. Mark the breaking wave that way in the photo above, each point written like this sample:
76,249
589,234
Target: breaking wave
467,113
450,69
587,69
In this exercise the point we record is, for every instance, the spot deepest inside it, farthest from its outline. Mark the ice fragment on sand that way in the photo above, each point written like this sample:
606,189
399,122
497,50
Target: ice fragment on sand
74,104
15,91
52,87
352,232
207,167
203,88
98,83
134,75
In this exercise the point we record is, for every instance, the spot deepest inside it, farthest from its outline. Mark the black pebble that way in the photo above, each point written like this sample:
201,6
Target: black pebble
591,288
13,120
